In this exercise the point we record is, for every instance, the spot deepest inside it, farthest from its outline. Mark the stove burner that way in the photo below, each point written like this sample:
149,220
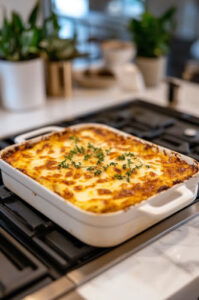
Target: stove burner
190,132
173,143
141,131
152,119
139,119
111,120
182,131
195,152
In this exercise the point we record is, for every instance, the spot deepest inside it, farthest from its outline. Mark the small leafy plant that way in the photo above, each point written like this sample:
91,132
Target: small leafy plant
152,34
19,40
54,47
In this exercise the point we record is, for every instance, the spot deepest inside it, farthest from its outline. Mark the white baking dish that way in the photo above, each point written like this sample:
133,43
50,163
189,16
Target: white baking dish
102,230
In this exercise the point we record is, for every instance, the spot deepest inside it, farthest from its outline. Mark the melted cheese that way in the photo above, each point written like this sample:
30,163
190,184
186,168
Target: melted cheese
152,170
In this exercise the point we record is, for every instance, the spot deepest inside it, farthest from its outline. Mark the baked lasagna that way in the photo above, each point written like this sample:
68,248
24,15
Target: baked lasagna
98,169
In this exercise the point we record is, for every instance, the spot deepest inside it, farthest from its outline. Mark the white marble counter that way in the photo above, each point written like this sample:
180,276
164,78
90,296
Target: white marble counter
89,100
167,267
164,269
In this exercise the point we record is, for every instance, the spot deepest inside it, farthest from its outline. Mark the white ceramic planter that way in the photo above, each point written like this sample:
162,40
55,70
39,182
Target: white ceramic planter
22,84
153,69
116,52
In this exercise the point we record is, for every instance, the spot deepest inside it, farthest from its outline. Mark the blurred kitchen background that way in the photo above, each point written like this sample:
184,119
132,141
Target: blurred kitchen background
138,43
95,21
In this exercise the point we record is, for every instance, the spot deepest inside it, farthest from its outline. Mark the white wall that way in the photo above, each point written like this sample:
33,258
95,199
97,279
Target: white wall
21,6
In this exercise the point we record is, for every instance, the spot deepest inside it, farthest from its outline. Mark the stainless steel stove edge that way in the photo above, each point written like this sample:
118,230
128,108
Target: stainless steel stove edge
54,290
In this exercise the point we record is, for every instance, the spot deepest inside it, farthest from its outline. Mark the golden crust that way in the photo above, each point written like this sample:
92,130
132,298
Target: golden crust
122,171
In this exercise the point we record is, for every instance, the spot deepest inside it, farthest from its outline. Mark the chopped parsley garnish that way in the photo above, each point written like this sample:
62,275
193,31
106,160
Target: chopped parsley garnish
130,154
128,165
100,157
124,166
97,172
90,146
87,156
105,167
108,151
113,163
69,156
80,150
139,166
118,176
128,175
100,154
63,164
121,157
76,165
74,138
90,168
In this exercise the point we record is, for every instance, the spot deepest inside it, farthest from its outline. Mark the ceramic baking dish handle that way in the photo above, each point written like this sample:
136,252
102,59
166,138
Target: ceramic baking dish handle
185,197
23,137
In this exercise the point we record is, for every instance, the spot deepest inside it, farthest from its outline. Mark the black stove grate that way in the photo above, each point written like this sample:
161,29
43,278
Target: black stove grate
57,248
50,251
18,267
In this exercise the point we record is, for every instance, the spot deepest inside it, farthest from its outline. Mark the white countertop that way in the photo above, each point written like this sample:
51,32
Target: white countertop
163,268
89,100
167,268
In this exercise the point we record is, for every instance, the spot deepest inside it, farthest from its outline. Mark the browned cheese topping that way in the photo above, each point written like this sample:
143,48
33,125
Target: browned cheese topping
99,170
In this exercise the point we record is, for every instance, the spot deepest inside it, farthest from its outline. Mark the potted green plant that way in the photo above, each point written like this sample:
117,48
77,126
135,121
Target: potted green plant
152,36
59,54
21,68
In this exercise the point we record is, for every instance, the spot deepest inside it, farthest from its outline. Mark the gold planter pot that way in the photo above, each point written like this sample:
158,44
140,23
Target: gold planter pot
59,79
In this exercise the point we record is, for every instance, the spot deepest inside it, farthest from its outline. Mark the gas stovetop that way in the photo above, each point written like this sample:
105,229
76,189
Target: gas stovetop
39,259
